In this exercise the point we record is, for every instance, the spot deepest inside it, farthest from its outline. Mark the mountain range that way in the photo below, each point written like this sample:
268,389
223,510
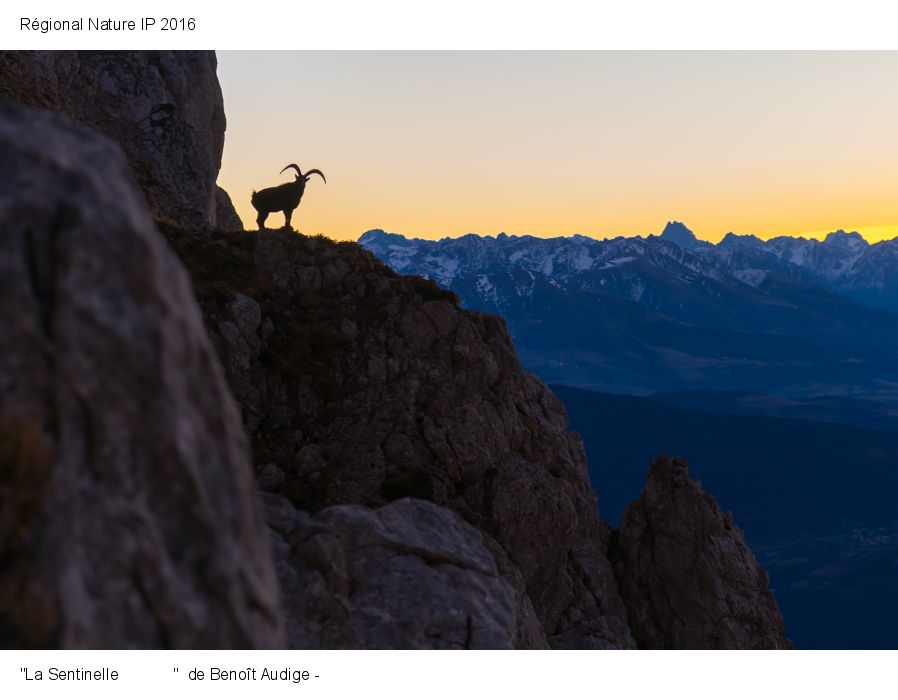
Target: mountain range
788,316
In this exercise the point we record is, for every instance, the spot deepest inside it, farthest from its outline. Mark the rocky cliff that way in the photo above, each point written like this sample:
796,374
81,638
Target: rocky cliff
419,488
163,108
130,517
686,575
359,386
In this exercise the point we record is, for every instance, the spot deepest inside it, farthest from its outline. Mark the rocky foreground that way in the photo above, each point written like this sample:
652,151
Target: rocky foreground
129,514
396,481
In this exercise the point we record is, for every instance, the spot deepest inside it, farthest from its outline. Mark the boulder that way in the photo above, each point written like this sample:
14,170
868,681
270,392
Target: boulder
130,514
226,218
409,575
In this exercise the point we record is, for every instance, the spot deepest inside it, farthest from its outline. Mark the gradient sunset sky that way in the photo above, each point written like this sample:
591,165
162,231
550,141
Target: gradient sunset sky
435,144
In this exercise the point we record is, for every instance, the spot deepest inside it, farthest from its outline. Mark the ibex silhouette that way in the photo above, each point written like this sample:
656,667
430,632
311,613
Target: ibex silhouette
284,197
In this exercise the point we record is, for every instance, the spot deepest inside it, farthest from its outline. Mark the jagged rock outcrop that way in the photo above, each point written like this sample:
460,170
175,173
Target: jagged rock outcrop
164,108
409,575
685,573
129,514
362,387
226,218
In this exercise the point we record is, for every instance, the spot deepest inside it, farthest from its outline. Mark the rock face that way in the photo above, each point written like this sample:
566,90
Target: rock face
164,108
686,575
130,516
410,575
226,218
360,387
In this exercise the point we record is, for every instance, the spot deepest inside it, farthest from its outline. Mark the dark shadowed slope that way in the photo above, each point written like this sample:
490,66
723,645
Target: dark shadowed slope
861,413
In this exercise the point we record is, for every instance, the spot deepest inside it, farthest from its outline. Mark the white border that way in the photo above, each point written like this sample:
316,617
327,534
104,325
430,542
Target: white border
472,24
472,674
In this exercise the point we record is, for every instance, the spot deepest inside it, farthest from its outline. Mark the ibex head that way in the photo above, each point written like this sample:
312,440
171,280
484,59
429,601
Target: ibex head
307,175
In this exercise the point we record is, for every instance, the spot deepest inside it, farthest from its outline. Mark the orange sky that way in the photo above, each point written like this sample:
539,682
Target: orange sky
439,144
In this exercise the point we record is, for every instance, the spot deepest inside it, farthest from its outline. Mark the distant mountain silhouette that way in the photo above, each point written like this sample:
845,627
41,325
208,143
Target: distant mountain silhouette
643,315
676,232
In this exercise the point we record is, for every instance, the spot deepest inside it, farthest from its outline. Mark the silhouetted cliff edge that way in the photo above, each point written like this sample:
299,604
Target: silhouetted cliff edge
420,490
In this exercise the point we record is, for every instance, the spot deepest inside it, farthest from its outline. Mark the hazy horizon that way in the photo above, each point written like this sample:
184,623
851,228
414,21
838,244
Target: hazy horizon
601,144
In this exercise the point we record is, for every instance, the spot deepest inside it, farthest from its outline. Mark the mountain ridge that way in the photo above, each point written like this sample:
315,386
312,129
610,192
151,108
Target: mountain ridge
641,315
836,260
674,230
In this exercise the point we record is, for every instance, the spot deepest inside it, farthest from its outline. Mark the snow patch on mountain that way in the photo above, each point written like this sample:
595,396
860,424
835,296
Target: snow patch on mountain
616,262
843,262
751,276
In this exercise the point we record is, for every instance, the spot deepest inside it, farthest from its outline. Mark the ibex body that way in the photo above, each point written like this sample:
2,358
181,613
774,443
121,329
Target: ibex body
284,197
